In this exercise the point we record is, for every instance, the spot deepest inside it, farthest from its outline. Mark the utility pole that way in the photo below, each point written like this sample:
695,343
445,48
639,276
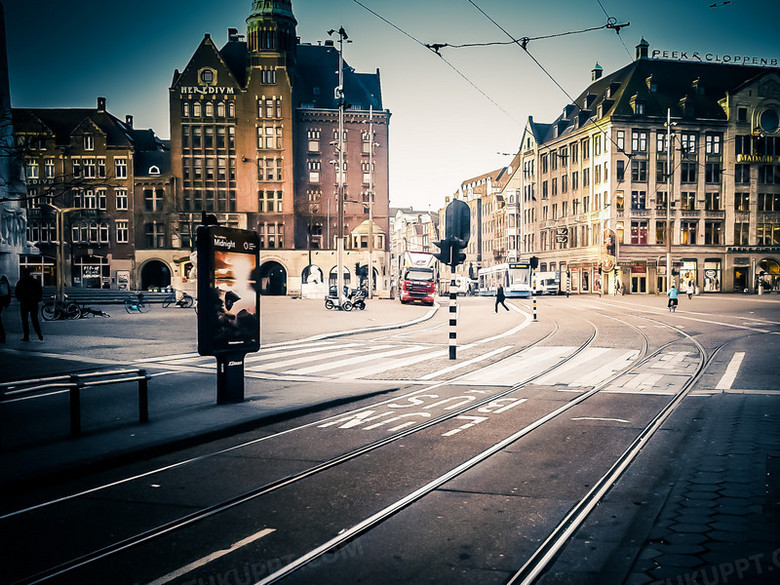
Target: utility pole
340,172
370,201
669,172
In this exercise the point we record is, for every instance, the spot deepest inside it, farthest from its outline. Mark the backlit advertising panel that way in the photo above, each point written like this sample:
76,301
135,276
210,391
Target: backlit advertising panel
228,291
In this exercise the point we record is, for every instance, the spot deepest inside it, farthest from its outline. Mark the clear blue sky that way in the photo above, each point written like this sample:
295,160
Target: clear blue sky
443,130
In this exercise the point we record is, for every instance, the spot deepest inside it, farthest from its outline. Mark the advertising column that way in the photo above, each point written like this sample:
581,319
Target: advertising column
228,303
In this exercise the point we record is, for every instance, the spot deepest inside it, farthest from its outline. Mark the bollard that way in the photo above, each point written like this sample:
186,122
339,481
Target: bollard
143,397
453,319
533,289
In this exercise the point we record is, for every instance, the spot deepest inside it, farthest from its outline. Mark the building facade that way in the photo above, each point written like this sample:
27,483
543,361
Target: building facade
609,189
254,138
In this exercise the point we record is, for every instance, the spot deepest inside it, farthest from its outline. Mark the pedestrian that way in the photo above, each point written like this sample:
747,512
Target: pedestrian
672,294
689,288
500,298
29,293
617,287
5,300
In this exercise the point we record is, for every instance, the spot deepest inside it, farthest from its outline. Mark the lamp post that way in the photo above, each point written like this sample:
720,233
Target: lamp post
340,172
668,198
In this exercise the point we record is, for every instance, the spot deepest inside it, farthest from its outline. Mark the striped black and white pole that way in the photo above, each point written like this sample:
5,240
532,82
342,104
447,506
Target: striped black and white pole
453,317
533,290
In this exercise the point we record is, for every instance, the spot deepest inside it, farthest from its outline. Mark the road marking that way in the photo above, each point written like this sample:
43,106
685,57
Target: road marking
479,358
212,557
356,359
622,420
731,371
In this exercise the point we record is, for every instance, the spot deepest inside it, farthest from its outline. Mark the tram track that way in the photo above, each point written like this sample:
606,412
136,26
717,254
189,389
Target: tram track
183,522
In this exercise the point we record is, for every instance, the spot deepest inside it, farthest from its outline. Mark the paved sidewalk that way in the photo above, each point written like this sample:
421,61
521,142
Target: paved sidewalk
721,521
201,420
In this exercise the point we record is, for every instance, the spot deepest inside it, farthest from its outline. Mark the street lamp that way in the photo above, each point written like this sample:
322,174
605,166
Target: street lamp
59,222
340,172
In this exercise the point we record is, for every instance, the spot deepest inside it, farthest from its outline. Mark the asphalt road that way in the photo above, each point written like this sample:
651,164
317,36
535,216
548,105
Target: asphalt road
456,475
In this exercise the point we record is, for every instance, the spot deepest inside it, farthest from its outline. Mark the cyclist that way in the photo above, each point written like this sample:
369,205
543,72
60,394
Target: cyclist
672,294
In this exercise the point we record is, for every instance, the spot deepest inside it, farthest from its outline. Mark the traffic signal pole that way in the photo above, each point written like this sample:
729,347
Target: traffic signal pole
453,315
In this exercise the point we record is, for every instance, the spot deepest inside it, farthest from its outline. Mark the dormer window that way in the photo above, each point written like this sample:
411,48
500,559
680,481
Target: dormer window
154,170
639,108
89,142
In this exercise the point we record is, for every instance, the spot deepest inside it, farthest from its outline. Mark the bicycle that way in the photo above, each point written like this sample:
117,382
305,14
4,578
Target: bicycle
137,304
672,305
185,302
55,310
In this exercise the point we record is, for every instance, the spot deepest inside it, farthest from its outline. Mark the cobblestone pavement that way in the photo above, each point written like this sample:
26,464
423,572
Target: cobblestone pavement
721,522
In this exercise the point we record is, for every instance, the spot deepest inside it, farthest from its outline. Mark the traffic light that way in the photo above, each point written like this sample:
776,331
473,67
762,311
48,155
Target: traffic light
534,262
445,251
457,222
458,256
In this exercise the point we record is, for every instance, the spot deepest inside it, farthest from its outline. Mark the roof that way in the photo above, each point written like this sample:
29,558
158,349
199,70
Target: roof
317,79
65,122
660,85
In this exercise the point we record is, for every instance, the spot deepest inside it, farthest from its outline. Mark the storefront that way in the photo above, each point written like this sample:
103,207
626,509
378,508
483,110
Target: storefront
91,272
639,277
713,275
769,274
42,267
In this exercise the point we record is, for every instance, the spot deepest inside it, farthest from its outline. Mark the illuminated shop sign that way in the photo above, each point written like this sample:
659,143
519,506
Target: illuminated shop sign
714,58
752,158
207,90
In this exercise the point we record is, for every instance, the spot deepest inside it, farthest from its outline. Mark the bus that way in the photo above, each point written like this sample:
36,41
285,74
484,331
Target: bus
514,276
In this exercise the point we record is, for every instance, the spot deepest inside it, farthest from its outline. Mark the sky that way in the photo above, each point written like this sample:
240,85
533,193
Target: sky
454,116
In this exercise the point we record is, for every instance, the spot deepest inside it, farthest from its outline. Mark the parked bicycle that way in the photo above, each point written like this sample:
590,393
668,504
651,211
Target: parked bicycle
54,310
136,304
185,301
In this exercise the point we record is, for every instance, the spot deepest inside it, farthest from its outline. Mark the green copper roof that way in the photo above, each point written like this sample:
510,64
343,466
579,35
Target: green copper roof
272,8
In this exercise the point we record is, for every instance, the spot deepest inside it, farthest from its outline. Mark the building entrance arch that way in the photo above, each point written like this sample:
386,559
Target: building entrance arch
155,274
273,279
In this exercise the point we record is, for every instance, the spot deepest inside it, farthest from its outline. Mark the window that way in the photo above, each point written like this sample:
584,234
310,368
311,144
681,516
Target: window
769,201
712,143
742,114
660,232
121,199
596,175
153,199
585,148
688,172
90,169
688,144
660,142
314,171
573,152
741,233
89,142
620,171
48,168
268,77
101,198
155,235
90,199
555,186
120,168
197,137
768,234
660,200
367,172
314,140
639,170
620,202
638,200
103,233
620,140
688,233
544,163
122,231
32,169
554,160
742,174
639,232
660,171
713,233
712,201
742,144
712,173
209,109
269,169
270,201
575,181
597,145
639,141
769,174
742,201
565,184
269,137
101,168
585,177
688,200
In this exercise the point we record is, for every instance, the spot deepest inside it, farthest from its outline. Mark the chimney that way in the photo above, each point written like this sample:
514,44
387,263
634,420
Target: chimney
596,72
101,104
129,120
642,49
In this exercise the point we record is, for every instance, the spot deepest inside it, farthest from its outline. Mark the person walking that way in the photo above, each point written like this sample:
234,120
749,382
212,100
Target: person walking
690,288
500,297
29,292
5,300
672,294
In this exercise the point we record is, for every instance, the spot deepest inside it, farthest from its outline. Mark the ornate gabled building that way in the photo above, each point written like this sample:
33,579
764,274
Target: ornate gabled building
606,195
254,135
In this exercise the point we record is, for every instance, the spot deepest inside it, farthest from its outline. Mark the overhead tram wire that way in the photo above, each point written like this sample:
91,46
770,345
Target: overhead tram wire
434,49
523,44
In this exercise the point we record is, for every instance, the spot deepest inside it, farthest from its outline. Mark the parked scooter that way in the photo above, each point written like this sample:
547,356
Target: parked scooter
332,300
358,299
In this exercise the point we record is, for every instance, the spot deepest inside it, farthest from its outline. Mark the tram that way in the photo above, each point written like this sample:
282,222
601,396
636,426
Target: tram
514,276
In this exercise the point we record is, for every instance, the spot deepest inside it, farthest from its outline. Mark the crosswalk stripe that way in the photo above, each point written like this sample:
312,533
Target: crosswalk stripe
599,374
307,358
573,369
731,371
394,364
329,365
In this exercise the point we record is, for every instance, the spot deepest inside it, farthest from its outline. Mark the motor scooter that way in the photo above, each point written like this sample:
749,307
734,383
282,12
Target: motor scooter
332,301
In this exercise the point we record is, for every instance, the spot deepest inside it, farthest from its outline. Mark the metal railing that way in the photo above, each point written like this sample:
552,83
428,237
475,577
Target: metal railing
74,384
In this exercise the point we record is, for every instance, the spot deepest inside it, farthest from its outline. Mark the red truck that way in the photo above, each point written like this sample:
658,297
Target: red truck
418,278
